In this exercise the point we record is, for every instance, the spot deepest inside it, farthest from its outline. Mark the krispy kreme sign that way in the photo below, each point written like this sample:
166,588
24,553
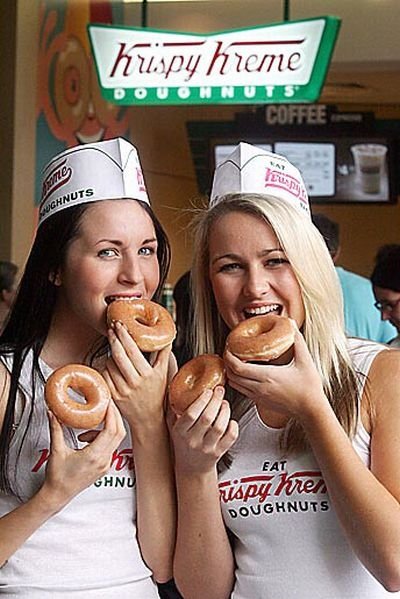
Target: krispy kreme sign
284,62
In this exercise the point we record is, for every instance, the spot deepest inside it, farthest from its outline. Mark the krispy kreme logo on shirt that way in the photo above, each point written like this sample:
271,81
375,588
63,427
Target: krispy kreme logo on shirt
284,493
120,475
263,486
57,177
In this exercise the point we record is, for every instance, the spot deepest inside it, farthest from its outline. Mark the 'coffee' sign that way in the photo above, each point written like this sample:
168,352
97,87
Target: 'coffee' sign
284,62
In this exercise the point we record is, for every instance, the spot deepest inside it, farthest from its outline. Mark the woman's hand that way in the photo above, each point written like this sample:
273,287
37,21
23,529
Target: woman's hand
293,389
69,471
137,387
204,432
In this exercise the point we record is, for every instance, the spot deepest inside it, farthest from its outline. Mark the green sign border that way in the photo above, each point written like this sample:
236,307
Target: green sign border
309,92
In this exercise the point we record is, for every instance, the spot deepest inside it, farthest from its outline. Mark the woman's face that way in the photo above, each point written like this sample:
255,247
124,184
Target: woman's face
249,273
114,255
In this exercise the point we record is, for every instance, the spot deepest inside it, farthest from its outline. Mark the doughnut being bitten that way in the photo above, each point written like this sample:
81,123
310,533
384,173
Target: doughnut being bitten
149,324
84,380
194,377
263,338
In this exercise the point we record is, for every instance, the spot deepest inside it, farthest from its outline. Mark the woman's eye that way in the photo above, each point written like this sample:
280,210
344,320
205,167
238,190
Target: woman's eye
271,262
107,253
147,251
232,266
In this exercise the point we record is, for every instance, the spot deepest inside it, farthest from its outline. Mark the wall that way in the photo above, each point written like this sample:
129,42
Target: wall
7,51
19,35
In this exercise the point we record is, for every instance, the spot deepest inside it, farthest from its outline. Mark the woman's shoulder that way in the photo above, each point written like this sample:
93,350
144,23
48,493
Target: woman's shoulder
363,352
385,368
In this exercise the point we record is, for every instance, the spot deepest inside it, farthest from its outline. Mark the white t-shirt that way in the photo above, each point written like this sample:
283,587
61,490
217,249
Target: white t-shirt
288,542
89,550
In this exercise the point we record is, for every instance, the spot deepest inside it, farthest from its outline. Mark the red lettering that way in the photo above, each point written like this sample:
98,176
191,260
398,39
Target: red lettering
122,459
44,456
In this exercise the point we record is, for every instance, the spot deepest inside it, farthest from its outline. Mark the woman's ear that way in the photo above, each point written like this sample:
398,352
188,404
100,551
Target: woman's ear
55,279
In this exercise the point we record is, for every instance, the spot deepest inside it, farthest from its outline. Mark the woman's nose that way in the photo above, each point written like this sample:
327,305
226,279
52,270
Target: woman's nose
130,272
257,284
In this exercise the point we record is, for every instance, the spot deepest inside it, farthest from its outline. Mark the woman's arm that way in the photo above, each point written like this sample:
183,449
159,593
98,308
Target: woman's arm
139,390
204,562
366,501
68,472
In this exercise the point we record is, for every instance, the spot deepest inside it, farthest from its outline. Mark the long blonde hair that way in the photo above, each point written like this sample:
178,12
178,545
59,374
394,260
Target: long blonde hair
323,327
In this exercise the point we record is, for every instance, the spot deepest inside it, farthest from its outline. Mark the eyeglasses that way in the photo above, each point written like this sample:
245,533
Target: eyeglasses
385,306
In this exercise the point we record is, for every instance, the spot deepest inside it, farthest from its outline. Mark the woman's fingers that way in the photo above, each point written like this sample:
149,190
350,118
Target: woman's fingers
125,352
113,432
162,358
200,408
56,433
207,420
219,426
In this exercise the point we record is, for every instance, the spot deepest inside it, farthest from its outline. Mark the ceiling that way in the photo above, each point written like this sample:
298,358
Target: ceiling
365,66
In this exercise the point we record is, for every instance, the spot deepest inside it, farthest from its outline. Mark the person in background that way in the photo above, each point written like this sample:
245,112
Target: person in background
288,484
8,283
182,294
86,514
360,316
385,279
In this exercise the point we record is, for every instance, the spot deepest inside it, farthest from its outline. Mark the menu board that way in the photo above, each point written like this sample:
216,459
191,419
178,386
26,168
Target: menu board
315,161
344,169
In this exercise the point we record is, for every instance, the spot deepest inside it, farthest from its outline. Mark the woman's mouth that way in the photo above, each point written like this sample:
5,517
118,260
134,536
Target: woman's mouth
249,312
112,298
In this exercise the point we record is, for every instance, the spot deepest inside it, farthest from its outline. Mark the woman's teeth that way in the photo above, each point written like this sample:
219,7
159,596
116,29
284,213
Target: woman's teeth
262,310
112,298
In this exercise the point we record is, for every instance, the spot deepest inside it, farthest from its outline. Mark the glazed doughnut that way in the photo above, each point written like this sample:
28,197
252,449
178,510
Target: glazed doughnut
84,380
149,324
261,338
197,375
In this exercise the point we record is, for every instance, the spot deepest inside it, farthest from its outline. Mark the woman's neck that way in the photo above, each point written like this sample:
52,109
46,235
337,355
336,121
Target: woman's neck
272,419
67,344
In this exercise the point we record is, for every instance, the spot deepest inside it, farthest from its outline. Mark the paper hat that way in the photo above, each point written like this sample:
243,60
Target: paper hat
99,171
249,169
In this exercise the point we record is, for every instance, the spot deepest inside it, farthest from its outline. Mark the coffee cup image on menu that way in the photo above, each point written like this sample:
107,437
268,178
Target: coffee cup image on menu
369,162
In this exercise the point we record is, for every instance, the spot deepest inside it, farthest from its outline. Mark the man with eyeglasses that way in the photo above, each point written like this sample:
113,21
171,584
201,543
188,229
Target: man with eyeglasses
385,280
361,318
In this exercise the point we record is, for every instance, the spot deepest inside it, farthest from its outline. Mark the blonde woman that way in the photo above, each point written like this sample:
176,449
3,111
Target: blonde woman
287,480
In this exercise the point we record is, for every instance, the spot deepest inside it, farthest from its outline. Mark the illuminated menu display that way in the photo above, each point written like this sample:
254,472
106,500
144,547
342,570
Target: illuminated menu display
315,161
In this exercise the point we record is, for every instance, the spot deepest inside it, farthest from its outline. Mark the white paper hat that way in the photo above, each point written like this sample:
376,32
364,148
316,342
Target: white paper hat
99,171
249,169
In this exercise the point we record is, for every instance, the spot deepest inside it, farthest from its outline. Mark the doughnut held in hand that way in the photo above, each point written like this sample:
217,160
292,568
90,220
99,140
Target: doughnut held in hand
197,375
261,338
149,324
84,380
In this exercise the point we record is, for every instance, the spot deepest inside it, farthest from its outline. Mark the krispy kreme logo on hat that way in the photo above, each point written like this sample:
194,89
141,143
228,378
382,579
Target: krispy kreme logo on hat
249,169
60,175
286,182
100,171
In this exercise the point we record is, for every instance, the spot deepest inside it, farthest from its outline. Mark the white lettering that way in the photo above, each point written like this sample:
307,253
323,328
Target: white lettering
140,93
295,114
205,92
